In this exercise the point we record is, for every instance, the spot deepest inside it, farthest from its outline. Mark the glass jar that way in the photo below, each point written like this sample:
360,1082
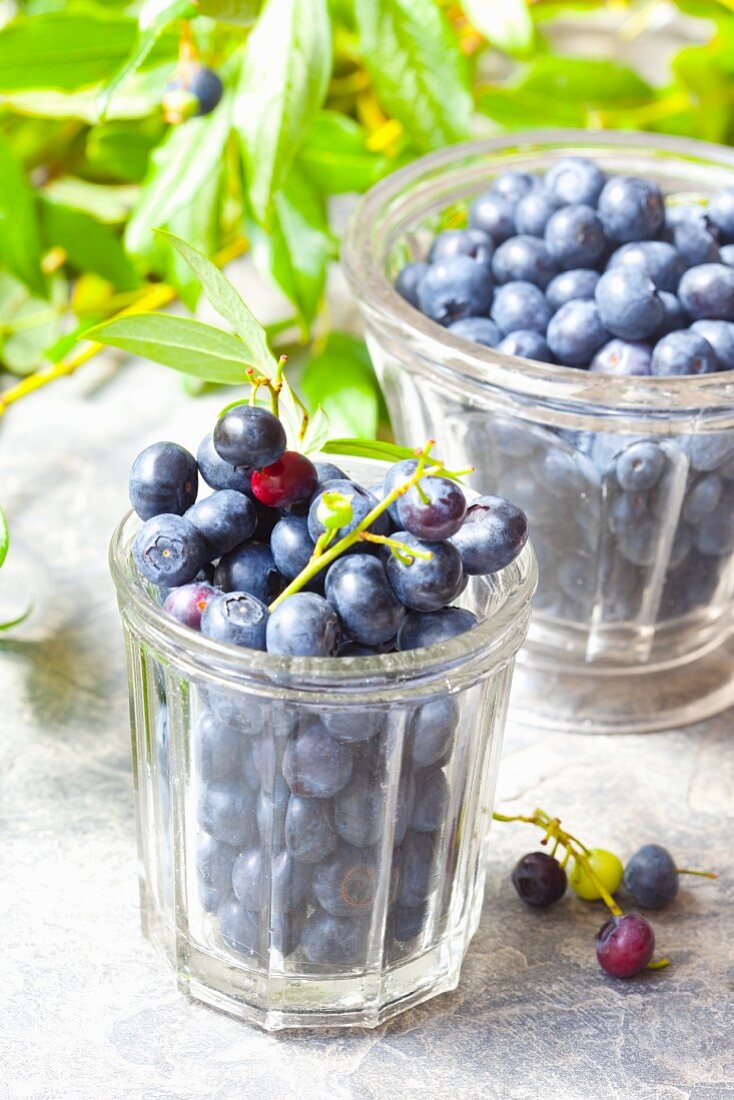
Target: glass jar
632,628
312,831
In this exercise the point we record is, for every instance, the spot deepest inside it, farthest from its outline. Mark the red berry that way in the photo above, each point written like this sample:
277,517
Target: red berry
624,945
291,479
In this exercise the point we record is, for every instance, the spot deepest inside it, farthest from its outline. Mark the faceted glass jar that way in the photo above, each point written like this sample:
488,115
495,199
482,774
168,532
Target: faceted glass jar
633,624
312,832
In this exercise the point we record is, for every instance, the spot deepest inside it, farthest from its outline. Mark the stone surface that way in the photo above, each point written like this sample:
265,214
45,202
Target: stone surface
88,1010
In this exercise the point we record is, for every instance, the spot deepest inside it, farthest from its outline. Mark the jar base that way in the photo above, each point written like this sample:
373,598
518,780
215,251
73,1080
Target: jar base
585,698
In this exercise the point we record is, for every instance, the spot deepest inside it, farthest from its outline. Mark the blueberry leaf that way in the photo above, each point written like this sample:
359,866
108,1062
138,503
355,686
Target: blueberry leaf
20,247
335,155
89,245
368,448
227,302
291,413
178,342
10,623
241,12
317,431
4,537
419,74
504,23
285,75
340,377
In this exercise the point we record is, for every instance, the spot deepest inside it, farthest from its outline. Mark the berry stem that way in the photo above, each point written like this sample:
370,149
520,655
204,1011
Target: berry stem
701,874
408,552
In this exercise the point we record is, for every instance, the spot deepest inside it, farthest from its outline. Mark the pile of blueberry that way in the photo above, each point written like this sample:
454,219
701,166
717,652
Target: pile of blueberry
586,271
626,942
225,558
291,802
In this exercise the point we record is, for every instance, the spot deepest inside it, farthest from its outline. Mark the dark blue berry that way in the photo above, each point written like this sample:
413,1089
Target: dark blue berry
219,474
225,519
227,811
720,210
683,352
493,214
291,545
534,210
640,466
575,180
359,809
433,510
168,550
631,209
524,259
579,282
345,882
575,237
316,765
353,725
702,499
623,358
527,344
520,305
250,568
396,476
720,335
327,940
695,239
204,85
455,288
422,628
249,435
189,602
358,589
492,535
576,332
431,802
629,304
407,922
417,872
473,243
707,292
479,329
291,880
513,185
675,317
309,829
651,877
432,729
407,280
251,879
214,863
656,259
714,538
425,584
539,880
239,928
164,478
218,749
327,471
304,625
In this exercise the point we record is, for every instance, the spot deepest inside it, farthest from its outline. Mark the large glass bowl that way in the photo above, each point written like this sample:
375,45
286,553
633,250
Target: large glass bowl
312,832
632,630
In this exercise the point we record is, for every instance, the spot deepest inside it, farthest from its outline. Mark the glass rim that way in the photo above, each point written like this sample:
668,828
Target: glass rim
467,658
386,206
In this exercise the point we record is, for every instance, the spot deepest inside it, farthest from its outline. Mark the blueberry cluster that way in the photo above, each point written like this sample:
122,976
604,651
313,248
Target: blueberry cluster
222,560
588,271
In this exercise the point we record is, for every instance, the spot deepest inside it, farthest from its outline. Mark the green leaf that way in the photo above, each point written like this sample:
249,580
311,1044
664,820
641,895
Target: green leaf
368,448
4,537
297,246
10,623
67,50
121,150
89,245
317,431
341,379
504,23
227,302
20,248
107,203
140,97
516,110
578,80
178,342
241,12
285,75
291,415
419,74
28,324
155,15
335,156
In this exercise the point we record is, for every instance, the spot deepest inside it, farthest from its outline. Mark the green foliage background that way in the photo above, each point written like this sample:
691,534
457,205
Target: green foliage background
323,98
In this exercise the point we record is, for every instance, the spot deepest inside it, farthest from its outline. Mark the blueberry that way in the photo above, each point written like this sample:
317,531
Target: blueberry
656,259
575,180
576,332
241,711
251,879
527,344
407,921
579,282
316,765
492,535
327,940
639,544
720,210
250,568
291,880
219,474
309,829
164,478
473,243
707,291
640,467
168,550
628,509
359,809
695,240
720,335
304,625
525,259
422,628
345,882
225,519
629,305
270,812
651,877
433,510
286,930
327,471
352,724
623,358
396,476
362,503
189,602
249,435
534,210
702,499
425,584
240,929
432,728
358,589
237,618
479,329
203,84
520,305
675,317
455,288
726,255
709,450
218,749
631,209
214,862
431,802
685,352
513,185
539,879
493,214
407,280
227,811
291,545
417,873
575,237
714,538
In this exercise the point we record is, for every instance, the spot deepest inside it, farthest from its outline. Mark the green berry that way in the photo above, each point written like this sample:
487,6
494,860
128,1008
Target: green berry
334,511
607,868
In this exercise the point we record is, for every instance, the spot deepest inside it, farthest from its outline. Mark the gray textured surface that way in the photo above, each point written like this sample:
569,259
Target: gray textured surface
87,1009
